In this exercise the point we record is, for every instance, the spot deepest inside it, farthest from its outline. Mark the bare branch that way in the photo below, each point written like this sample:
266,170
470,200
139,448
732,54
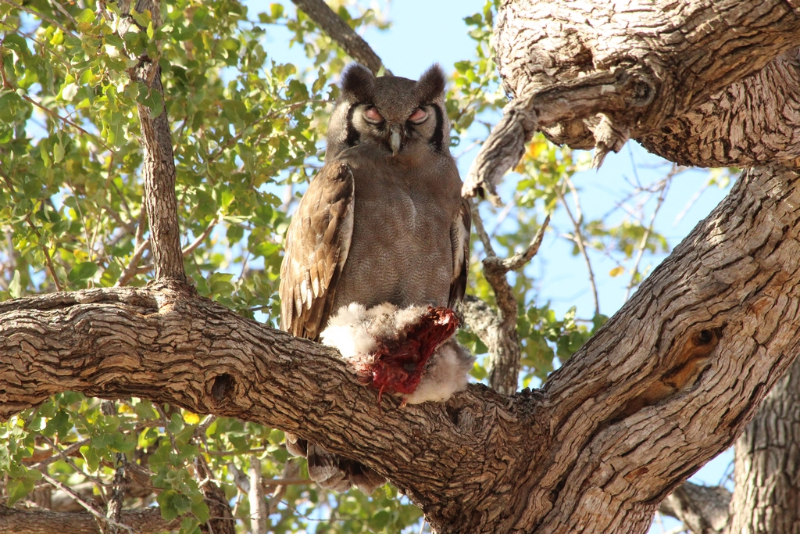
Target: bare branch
338,30
662,195
132,268
258,504
703,509
202,237
90,507
291,471
518,261
594,93
578,238
499,332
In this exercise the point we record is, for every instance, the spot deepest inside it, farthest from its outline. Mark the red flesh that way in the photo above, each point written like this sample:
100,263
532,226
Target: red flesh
412,349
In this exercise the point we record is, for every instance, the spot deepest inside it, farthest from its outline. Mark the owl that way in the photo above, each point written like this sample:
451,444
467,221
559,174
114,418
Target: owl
382,226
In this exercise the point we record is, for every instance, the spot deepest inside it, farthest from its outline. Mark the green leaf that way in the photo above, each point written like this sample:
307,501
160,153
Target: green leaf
58,153
15,287
87,15
17,489
82,271
166,502
380,520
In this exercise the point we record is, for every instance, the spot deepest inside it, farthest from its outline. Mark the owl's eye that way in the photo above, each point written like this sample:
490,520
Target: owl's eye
372,115
418,116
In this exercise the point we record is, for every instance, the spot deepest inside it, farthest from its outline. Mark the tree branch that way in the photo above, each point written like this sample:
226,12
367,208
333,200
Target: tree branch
751,122
618,90
158,169
338,30
14,521
707,334
708,45
702,509
499,331
578,239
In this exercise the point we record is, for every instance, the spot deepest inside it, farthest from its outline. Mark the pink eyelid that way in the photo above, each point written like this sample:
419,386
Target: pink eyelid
373,115
418,115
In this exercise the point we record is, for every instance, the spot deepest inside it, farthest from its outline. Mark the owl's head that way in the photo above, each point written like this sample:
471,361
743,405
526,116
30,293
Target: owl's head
389,112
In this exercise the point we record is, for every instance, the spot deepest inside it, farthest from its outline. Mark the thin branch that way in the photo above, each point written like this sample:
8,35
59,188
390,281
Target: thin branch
133,266
84,220
287,481
499,333
129,228
50,267
89,507
291,470
477,221
236,453
48,261
202,237
63,11
64,119
64,456
517,261
72,449
579,241
649,230
338,30
40,16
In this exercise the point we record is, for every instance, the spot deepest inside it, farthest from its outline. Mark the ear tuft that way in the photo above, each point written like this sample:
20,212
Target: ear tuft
431,84
357,83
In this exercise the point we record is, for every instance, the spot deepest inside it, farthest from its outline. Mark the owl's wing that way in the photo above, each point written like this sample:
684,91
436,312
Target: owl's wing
317,244
459,240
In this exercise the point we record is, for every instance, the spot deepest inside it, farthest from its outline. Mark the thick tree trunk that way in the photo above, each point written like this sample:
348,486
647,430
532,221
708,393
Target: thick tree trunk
690,51
647,70
766,496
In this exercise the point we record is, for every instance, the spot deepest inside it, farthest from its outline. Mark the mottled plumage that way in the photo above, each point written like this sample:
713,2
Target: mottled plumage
382,222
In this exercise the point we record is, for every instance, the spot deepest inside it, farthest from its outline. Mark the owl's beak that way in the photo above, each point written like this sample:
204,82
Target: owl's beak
396,138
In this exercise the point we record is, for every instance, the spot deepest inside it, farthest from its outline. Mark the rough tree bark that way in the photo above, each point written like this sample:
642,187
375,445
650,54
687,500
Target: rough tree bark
767,464
752,121
665,385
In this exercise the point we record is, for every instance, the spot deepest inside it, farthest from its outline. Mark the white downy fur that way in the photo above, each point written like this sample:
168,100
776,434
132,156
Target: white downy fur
347,332
353,331
445,374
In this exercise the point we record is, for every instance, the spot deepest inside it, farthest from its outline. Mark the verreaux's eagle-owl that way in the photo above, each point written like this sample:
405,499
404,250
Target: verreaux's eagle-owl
382,222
